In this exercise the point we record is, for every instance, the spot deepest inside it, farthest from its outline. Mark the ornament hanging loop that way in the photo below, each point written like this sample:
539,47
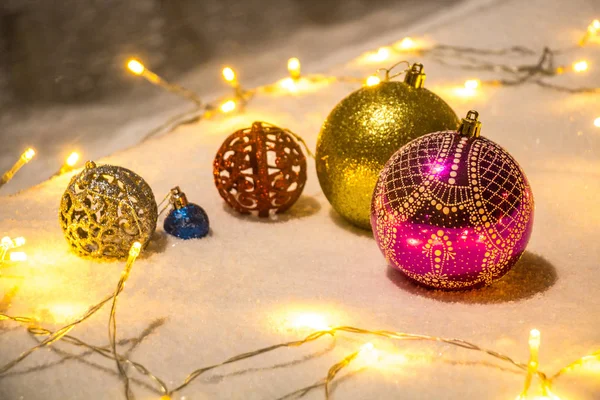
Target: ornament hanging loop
175,198
470,125
389,70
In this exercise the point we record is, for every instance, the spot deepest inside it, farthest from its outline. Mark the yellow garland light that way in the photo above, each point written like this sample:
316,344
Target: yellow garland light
228,106
17,256
23,159
312,321
597,122
72,159
19,241
373,80
137,68
469,88
533,364
580,66
293,66
229,75
69,164
591,32
405,44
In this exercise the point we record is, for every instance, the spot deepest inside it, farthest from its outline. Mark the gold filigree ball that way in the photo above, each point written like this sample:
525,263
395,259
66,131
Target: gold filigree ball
364,130
105,209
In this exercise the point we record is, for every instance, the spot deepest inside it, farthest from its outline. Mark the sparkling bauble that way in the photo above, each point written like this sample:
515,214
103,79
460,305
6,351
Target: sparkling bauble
452,210
261,169
186,220
105,209
364,130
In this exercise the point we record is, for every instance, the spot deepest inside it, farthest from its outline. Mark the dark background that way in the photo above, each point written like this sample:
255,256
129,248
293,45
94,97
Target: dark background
74,50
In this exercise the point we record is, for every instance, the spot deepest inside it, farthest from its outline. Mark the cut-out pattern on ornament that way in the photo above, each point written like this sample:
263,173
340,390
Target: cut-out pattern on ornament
460,209
105,210
260,169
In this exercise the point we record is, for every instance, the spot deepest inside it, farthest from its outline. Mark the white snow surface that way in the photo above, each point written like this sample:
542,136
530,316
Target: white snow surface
238,289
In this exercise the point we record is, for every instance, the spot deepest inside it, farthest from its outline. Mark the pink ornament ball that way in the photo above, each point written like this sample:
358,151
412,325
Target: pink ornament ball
452,210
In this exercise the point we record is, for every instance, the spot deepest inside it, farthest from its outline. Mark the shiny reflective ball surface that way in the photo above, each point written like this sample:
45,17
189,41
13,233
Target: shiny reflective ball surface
363,131
188,222
452,212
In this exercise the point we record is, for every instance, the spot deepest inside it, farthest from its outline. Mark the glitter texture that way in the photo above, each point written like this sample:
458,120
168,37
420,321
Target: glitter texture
451,211
105,209
188,222
363,131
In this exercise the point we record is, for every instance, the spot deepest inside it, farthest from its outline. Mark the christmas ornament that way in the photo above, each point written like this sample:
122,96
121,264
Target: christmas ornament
260,169
105,209
186,220
365,129
452,210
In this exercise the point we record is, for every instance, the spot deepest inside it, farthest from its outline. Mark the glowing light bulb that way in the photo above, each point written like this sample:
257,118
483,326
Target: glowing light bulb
28,154
591,32
472,84
373,80
165,397
368,354
597,122
294,67
382,54
228,106
16,256
534,340
136,67
19,241
311,321
135,249
228,74
72,159
406,44
23,159
288,84
6,242
580,66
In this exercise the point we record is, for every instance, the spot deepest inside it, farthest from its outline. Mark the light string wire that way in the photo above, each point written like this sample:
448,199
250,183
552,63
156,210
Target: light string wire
471,58
521,74
110,351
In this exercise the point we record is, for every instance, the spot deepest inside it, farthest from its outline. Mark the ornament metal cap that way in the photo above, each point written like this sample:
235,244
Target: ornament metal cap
178,198
470,125
415,76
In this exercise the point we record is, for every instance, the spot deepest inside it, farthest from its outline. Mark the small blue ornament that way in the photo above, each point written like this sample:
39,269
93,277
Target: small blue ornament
186,220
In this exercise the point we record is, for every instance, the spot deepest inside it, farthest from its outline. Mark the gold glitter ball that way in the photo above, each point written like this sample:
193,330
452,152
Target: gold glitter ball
105,209
363,131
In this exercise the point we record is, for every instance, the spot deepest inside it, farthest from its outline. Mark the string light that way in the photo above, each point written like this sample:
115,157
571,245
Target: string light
580,66
137,68
521,74
293,66
23,159
228,106
6,244
134,252
532,365
469,89
373,80
69,163
312,321
17,256
405,44
381,55
229,75
591,32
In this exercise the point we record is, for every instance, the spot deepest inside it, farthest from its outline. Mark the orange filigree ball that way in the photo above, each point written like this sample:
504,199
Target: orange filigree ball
260,169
